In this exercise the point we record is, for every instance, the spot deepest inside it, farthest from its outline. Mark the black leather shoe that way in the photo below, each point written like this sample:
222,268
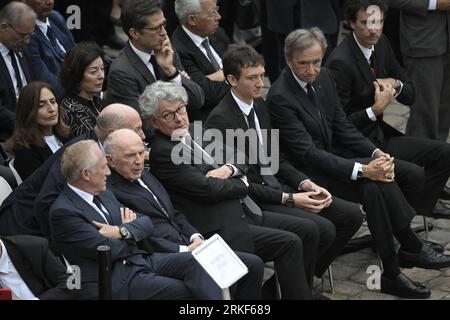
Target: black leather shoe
427,258
404,287
445,195
317,295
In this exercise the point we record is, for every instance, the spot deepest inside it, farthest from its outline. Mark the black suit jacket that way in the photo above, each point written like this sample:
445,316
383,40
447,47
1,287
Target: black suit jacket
212,205
228,115
198,67
354,83
77,238
129,76
170,231
8,96
28,160
42,272
310,141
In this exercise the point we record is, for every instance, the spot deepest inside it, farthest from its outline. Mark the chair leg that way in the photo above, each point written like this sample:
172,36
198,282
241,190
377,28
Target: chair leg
330,277
278,287
425,224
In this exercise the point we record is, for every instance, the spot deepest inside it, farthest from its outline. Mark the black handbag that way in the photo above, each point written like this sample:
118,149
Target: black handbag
247,14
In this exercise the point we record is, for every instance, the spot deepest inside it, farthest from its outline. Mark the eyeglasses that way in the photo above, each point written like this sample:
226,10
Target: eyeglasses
170,116
212,13
23,35
158,28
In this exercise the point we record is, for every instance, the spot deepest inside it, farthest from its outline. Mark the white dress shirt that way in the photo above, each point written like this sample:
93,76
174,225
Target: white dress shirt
89,198
4,51
53,142
10,278
198,41
145,57
44,27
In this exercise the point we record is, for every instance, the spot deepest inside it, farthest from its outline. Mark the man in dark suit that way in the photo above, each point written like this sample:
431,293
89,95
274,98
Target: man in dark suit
200,42
17,22
86,215
365,69
304,105
424,42
215,197
147,57
25,210
336,219
30,270
49,44
140,191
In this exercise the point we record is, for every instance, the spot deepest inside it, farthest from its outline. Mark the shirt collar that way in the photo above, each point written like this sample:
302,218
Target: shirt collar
145,57
302,83
195,38
4,266
245,108
86,196
43,25
4,50
367,52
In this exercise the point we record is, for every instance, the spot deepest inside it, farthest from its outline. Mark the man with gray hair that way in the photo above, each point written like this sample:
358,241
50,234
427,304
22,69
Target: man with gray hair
86,215
305,106
17,21
200,42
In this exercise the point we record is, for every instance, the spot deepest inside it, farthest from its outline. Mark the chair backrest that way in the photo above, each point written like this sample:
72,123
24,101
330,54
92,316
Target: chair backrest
5,189
14,171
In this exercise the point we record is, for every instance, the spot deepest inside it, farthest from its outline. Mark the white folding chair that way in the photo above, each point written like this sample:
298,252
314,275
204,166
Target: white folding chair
14,171
5,189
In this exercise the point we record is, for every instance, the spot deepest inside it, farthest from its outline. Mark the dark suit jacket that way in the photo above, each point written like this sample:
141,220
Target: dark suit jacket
198,67
42,272
8,95
45,64
354,83
168,232
212,205
310,141
129,76
423,32
27,160
228,115
77,238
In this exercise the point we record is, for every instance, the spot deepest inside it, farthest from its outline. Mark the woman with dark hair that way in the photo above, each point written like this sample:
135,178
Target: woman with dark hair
82,74
39,129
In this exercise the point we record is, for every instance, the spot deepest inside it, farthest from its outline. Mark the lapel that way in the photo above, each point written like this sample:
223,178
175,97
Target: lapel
238,115
360,60
159,192
7,77
305,103
22,265
45,42
87,212
23,63
138,65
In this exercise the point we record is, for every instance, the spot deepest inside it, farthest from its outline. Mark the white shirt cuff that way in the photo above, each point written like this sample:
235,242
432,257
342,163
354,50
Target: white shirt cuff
184,249
195,235
177,80
300,185
370,114
355,170
373,153
399,90
432,5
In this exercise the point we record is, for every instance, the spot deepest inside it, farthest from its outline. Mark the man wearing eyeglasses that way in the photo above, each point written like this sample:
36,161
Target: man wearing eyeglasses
200,42
17,22
49,44
147,57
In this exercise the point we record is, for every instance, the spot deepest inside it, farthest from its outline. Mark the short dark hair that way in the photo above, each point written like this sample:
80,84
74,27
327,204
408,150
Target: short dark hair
239,56
353,6
75,64
135,13
26,131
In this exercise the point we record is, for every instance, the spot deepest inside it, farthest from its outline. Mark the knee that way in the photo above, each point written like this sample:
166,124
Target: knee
313,234
327,232
354,217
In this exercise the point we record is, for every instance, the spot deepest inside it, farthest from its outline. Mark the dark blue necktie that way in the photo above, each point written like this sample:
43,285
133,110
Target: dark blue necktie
16,70
52,37
313,98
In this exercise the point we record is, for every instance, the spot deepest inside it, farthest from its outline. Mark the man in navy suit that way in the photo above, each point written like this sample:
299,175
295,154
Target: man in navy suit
49,44
86,215
140,191
17,22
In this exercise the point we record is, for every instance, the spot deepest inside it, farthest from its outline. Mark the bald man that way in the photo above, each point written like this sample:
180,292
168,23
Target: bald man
25,210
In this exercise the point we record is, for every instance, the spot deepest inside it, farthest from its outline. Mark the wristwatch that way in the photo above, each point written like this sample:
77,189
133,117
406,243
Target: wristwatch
290,201
124,232
360,173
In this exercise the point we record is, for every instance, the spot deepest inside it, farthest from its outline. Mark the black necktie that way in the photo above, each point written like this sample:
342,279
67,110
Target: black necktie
16,70
52,37
155,66
372,64
161,207
313,98
210,55
270,180
98,203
